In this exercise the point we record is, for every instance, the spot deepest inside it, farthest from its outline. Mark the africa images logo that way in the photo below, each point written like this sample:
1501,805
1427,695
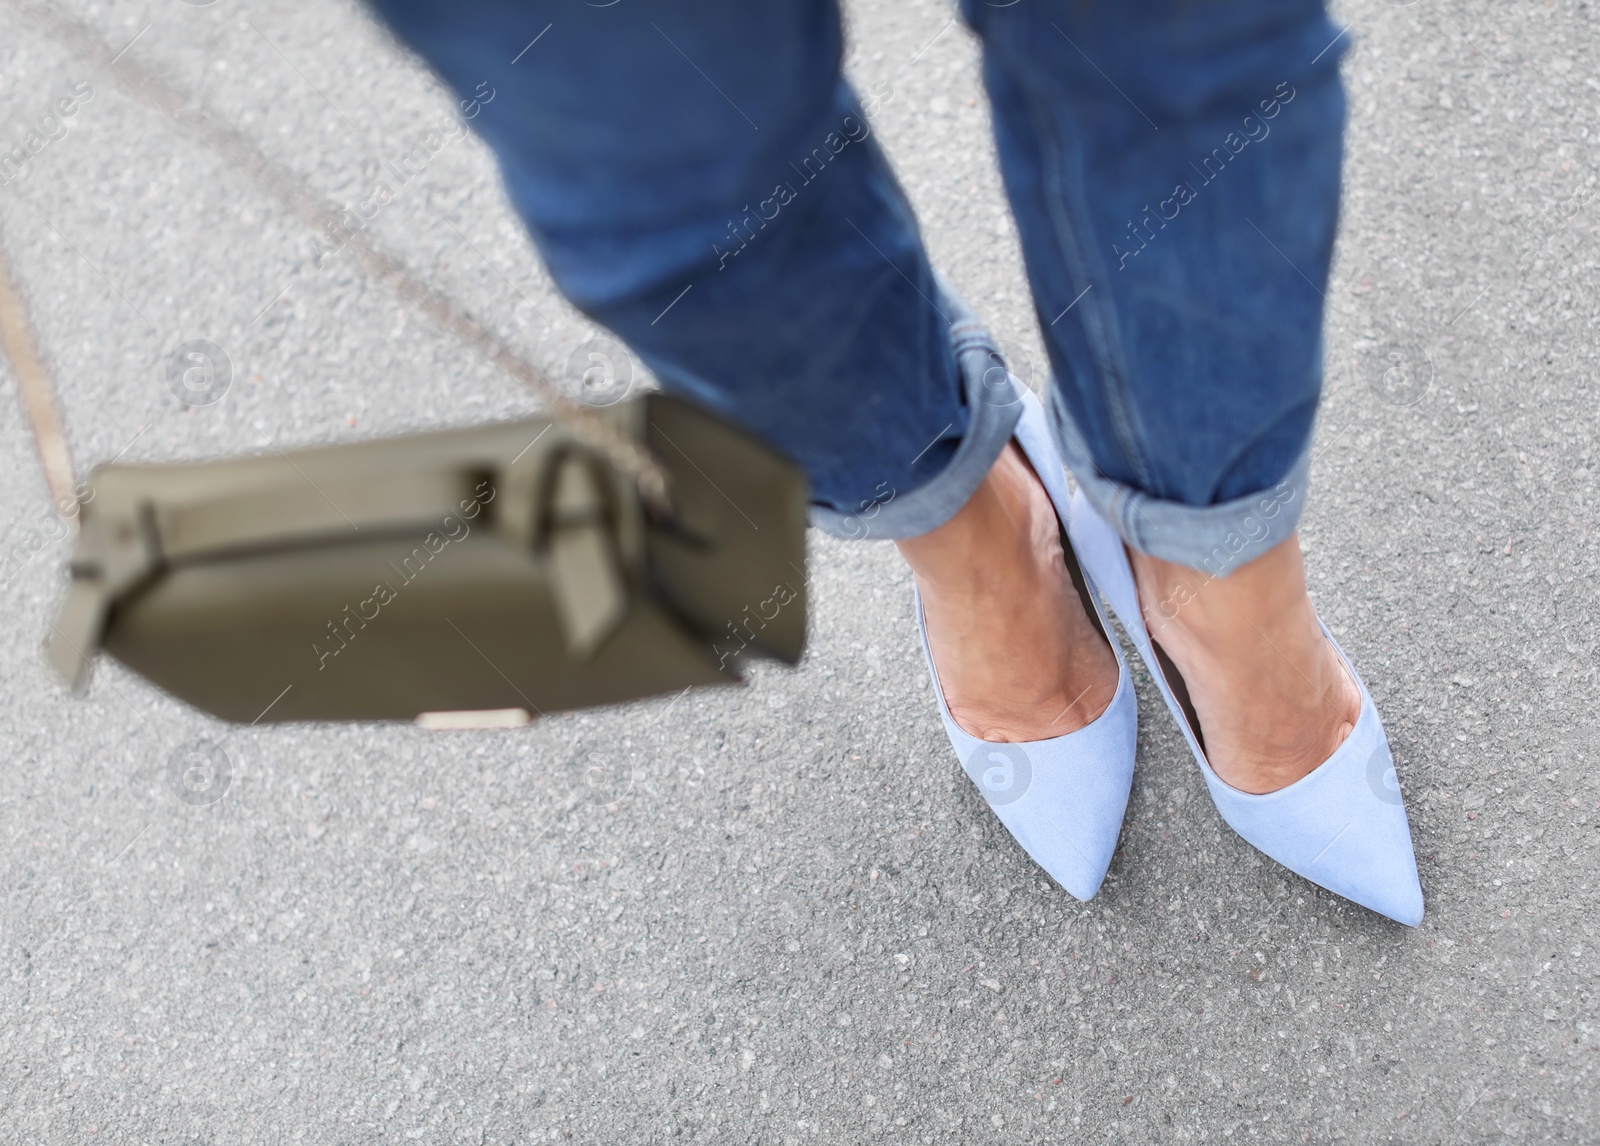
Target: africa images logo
49,127
1002,772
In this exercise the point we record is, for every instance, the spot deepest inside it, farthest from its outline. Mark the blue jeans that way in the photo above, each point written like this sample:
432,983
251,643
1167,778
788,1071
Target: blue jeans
703,181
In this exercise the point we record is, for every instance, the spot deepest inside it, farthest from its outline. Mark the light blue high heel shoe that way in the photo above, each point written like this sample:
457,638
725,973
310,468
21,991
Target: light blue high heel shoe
1343,825
1063,799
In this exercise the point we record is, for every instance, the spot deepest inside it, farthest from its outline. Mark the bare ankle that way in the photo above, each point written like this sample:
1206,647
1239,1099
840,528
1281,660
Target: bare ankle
1265,593
1016,655
1008,519
1268,691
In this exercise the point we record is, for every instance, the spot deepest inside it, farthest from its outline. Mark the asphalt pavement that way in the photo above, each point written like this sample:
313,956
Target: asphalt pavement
781,913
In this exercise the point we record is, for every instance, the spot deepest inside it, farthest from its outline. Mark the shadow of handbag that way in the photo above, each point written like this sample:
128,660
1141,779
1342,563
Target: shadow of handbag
506,570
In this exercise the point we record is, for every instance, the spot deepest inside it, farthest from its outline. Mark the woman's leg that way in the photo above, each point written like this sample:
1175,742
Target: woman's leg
702,181
1174,169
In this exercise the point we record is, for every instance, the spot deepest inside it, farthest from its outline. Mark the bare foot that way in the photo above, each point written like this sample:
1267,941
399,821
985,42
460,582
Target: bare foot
1271,696
1017,657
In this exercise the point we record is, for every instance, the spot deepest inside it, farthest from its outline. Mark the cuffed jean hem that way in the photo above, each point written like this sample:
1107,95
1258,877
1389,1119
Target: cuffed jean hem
994,403
1213,539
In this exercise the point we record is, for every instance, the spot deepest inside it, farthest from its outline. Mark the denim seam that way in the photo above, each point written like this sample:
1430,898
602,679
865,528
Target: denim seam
1110,370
